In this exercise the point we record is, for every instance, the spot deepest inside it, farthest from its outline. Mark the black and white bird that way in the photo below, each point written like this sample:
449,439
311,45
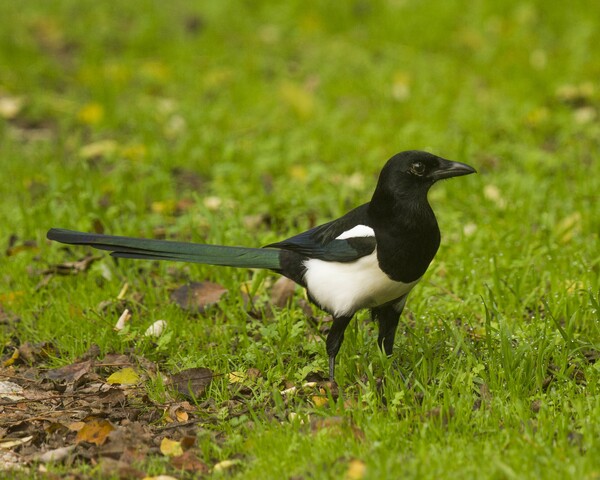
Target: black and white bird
371,257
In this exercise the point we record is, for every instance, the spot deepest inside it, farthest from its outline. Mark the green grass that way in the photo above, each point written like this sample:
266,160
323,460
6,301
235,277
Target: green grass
289,110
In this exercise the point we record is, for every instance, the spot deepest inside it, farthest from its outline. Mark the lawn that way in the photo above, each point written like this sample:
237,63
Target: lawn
243,123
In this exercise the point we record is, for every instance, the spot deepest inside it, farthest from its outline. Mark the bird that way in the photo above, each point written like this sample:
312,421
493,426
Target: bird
370,258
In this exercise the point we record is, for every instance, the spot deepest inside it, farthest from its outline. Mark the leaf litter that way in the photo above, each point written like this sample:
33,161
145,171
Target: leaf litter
96,410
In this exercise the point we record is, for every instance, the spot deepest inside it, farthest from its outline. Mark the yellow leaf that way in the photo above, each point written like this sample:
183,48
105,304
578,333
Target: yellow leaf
401,86
91,114
182,415
319,400
166,207
136,151
95,431
11,298
299,99
356,470
171,448
225,465
15,356
237,377
125,376
76,426
98,149
157,71
568,227
298,172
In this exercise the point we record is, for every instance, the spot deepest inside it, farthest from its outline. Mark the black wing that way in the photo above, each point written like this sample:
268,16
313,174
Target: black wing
321,242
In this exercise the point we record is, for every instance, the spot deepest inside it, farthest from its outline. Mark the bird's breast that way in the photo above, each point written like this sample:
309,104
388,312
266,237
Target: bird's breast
344,288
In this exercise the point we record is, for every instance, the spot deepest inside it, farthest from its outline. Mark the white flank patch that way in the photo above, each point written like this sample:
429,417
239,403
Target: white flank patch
358,231
344,288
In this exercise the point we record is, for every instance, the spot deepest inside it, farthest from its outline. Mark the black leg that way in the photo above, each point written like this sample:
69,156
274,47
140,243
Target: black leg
388,317
335,337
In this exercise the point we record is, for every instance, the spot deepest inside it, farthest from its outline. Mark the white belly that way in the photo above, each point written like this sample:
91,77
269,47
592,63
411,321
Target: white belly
344,288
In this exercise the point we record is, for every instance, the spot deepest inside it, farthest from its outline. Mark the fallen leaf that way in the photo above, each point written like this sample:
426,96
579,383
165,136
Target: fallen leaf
170,448
10,106
76,426
356,470
54,456
196,296
95,431
299,98
125,376
319,400
156,329
7,444
72,268
189,462
32,352
111,468
254,222
91,113
335,424
282,292
98,149
182,415
11,391
569,227
12,359
225,465
69,373
27,245
192,382
401,84
237,377
123,319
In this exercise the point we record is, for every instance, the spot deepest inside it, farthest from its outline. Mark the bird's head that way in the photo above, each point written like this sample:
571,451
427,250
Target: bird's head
409,175
416,170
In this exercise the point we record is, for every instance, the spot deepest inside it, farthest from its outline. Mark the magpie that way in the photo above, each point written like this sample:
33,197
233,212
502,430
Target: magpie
370,258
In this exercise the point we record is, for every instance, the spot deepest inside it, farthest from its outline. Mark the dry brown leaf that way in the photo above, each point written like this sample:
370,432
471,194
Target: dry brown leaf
69,373
192,382
189,462
16,248
196,296
282,292
95,431
72,268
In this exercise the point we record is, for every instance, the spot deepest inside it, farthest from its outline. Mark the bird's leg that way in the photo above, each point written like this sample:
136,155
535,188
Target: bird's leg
388,317
335,337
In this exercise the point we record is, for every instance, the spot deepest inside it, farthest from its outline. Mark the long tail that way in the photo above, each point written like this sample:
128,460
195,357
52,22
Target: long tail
127,247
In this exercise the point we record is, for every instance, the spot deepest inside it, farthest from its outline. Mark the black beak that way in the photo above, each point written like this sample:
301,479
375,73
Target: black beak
448,169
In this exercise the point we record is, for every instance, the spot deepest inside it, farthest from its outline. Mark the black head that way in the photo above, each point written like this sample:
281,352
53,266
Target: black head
414,166
408,176
415,170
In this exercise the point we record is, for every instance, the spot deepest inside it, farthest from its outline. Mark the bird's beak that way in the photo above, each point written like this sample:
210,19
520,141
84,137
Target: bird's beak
448,169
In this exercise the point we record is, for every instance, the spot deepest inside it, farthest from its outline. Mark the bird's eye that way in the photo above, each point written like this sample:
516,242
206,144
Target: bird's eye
418,168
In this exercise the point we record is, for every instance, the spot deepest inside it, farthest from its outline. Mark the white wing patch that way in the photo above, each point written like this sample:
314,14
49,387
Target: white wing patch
344,288
358,231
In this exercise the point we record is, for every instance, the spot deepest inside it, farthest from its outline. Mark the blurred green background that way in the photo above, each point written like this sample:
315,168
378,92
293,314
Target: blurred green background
243,122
